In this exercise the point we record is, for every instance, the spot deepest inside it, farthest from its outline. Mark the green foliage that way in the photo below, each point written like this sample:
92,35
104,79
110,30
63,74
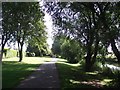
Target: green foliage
106,71
97,66
39,36
31,50
25,20
28,54
94,25
56,46
73,76
8,53
11,53
35,50
67,48
71,51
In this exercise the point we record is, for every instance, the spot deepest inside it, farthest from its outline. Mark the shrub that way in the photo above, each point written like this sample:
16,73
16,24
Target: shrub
11,53
97,66
71,51
8,53
29,54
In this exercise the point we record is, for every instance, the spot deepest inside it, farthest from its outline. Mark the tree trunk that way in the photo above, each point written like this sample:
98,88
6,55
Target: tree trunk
88,62
20,47
1,54
20,55
115,50
95,50
88,58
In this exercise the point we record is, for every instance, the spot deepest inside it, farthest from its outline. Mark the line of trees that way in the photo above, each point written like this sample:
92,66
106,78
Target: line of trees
22,22
92,24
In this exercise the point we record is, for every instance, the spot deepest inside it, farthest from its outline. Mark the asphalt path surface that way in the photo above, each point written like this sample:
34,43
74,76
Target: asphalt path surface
46,76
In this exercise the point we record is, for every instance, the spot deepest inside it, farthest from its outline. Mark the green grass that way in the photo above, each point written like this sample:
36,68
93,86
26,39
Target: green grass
13,71
73,76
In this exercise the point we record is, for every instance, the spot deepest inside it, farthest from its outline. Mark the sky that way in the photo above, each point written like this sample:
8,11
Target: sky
49,29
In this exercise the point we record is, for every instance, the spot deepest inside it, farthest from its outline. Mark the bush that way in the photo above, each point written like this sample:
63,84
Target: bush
71,51
29,54
8,53
97,66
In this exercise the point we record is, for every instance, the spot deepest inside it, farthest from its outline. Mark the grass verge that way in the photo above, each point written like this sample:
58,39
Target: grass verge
73,76
13,71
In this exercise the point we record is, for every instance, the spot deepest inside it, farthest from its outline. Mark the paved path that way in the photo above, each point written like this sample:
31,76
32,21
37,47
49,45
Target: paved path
113,67
46,76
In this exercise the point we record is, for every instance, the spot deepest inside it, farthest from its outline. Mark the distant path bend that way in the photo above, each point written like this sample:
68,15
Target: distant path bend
45,76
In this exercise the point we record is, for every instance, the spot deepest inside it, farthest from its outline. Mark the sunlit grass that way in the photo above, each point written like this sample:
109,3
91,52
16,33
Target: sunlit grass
29,60
46,59
13,71
65,62
105,81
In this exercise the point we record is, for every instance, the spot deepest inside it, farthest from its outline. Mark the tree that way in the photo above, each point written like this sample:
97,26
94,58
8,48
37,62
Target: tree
7,25
63,46
56,46
72,50
111,24
109,16
88,23
24,18
29,15
77,21
39,37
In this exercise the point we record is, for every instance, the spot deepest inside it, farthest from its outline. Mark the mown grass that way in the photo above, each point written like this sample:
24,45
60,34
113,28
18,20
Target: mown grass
73,76
13,71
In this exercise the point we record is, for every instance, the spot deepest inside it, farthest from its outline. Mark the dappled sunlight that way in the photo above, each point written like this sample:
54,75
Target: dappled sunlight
30,69
113,67
65,62
30,78
86,35
44,77
95,83
106,81
74,82
92,73
71,75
